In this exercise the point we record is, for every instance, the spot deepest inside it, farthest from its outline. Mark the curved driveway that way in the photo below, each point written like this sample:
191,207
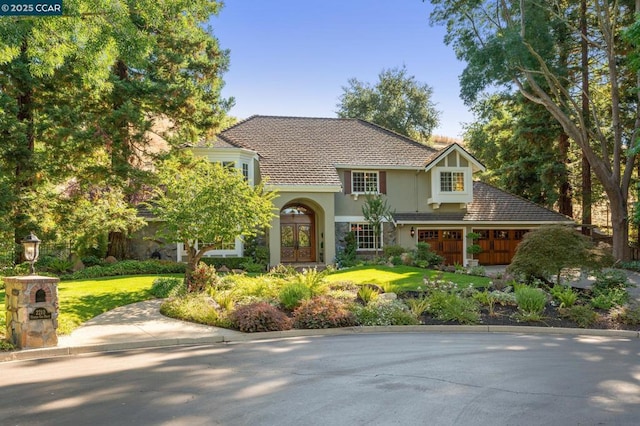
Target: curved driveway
376,379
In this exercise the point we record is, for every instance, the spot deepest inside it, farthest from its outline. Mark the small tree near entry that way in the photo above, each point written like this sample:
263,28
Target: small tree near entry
376,210
548,250
205,203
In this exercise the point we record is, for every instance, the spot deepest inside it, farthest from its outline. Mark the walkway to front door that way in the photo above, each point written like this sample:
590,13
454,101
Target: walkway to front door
297,234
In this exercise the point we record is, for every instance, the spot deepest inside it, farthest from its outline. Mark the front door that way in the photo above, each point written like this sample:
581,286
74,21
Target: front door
297,235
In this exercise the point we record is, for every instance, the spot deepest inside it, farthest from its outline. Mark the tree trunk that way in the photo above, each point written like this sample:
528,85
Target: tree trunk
565,201
620,225
586,167
118,245
24,154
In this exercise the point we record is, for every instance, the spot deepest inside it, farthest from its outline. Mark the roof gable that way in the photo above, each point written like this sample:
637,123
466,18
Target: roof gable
444,152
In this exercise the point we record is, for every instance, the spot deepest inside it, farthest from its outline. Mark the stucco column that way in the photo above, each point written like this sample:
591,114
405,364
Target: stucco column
274,242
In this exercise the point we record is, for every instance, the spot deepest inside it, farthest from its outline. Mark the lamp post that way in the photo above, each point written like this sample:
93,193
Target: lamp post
31,245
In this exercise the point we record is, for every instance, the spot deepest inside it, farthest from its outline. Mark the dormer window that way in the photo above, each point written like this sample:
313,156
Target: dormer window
452,181
364,182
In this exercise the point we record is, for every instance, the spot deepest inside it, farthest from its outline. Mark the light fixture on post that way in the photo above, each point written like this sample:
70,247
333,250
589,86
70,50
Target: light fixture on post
412,232
31,245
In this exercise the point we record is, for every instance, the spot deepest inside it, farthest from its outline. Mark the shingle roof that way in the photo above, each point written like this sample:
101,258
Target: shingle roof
302,150
491,204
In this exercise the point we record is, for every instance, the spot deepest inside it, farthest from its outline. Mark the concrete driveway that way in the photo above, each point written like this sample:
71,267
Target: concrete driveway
379,379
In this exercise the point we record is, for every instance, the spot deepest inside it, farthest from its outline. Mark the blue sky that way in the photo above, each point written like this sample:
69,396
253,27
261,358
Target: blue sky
292,57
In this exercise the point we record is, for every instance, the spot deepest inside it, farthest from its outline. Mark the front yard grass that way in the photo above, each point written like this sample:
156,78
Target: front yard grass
84,299
402,278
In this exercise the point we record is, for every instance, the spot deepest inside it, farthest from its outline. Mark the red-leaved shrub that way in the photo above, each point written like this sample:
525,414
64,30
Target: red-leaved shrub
322,312
259,316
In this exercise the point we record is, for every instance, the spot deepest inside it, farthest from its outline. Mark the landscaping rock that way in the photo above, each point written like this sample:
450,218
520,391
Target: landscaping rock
224,269
110,259
77,265
388,296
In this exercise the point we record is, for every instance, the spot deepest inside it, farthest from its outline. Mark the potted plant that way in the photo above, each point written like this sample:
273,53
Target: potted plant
473,248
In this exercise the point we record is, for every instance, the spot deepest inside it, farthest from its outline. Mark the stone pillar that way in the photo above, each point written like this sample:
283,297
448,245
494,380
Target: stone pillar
32,311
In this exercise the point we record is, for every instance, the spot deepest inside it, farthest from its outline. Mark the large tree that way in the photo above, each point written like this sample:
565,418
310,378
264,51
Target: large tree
517,141
203,205
118,72
512,44
397,102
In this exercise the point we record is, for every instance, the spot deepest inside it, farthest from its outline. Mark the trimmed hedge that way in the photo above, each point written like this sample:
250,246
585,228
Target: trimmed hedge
128,267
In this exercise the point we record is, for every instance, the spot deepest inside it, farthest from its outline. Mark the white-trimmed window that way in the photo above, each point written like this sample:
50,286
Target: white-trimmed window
245,171
452,181
365,182
364,236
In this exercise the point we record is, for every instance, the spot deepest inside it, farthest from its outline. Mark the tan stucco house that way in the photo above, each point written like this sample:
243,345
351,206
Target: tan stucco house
322,168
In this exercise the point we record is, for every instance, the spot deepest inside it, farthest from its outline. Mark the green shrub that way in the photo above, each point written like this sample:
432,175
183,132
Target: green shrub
583,316
367,293
164,287
536,257
225,300
6,346
564,295
383,313
626,314
490,299
128,267
530,300
453,307
194,307
258,317
251,266
322,312
203,276
347,256
393,251
608,298
292,293
633,265
418,305
58,266
262,287
396,260
610,279
479,271
88,261
314,280
423,254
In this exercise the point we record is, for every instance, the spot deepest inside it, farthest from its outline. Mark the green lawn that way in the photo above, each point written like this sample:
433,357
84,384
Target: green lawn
401,277
84,299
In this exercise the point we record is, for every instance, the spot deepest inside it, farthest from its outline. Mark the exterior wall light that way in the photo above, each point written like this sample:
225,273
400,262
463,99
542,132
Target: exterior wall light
412,232
31,245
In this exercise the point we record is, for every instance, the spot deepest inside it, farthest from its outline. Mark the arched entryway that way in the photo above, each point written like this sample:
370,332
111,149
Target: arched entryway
297,234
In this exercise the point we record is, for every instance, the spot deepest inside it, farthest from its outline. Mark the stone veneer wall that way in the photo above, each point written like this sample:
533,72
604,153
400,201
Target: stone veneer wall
145,242
20,302
388,236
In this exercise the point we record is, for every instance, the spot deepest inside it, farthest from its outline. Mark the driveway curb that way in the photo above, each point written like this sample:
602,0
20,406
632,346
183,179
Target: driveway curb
44,353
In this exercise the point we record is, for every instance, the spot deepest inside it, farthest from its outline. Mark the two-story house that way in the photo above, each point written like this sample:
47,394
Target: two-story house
322,169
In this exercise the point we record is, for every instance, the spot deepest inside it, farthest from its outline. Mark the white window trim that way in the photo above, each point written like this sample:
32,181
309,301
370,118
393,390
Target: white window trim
380,239
364,172
456,171
237,252
440,197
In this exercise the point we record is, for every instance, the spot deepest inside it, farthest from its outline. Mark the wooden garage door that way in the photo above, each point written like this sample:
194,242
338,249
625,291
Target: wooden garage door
498,245
446,243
